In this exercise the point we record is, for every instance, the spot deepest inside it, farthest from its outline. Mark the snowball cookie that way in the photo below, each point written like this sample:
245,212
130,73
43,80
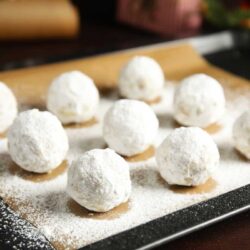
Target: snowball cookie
241,134
142,78
99,180
8,107
129,127
37,141
199,101
188,156
73,97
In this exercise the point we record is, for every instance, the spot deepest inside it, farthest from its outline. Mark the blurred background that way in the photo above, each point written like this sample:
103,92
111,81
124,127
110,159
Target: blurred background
38,31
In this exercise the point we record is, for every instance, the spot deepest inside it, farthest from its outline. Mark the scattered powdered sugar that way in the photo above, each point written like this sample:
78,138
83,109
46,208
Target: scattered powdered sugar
19,234
46,204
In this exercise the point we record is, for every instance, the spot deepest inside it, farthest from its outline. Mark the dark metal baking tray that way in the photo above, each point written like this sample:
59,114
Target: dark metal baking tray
229,50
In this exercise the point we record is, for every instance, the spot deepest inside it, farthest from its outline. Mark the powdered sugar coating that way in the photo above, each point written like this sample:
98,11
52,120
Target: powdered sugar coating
8,107
199,101
141,78
188,156
37,141
129,127
241,134
73,97
99,180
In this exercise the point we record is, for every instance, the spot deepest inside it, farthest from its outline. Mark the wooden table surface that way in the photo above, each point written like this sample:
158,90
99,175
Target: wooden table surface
233,233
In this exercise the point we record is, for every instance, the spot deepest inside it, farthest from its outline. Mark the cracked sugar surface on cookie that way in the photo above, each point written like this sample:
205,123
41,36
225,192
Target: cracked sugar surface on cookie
188,156
141,78
130,127
37,141
73,97
99,180
8,107
199,101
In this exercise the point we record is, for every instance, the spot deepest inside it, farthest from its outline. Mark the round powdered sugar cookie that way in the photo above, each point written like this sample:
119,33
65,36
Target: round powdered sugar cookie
188,156
241,134
37,141
130,127
199,101
73,97
8,107
99,180
141,78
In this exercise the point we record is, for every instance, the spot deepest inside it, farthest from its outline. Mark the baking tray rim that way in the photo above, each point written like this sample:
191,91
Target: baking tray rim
217,208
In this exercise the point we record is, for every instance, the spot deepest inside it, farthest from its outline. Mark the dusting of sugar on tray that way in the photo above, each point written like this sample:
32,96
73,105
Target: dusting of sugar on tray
19,234
47,206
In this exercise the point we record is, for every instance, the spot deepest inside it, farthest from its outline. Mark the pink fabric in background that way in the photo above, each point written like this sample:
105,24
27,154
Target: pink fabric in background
177,18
